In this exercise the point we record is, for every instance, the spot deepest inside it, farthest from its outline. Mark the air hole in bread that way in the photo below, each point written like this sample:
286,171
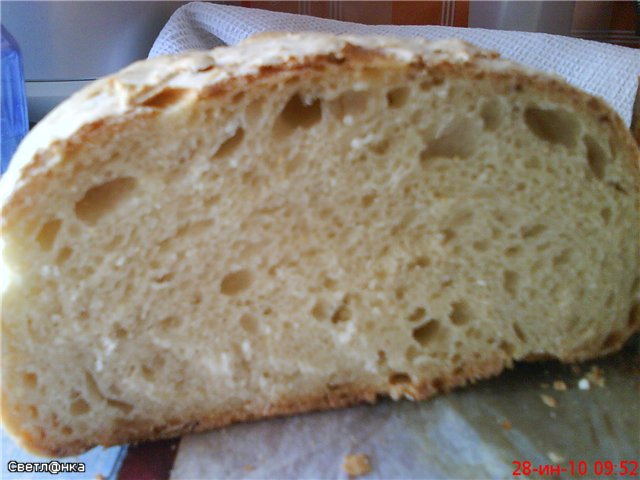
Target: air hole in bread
399,378
458,140
417,315
554,126
473,333
419,262
605,213
532,163
167,97
439,385
79,407
290,168
236,282
381,147
510,281
398,97
596,157
491,113
519,333
610,299
115,242
320,310
187,229
618,187
148,373
33,412
342,313
329,283
124,407
426,333
196,299
382,359
502,217
48,233
507,348
543,246
230,144
431,82
562,258
66,430
530,231
119,331
114,389
412,353
238,98
460,218
513,251
368,200
300,113
170,322
253,112
448,234
460,313
164,278
100,200
63,255
30,379
148,370
210,202
249,324
480,245
400,293
348,105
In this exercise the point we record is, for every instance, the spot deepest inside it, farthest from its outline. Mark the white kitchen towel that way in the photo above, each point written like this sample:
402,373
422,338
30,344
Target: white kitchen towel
609,71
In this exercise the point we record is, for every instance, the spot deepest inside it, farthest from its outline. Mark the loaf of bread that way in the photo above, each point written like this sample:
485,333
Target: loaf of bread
305,221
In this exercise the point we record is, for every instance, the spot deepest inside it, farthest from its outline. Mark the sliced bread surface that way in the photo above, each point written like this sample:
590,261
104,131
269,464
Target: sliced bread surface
305,221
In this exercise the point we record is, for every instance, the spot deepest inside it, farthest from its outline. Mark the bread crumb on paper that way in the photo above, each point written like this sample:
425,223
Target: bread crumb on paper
555,458
248,468
560,386
506,424
596,376
549,401
99,476
356,465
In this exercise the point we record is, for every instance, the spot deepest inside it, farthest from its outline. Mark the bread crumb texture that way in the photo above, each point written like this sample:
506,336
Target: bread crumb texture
302,222
356,465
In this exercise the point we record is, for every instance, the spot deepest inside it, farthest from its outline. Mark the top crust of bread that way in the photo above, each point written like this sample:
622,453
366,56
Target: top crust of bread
122,96
148,89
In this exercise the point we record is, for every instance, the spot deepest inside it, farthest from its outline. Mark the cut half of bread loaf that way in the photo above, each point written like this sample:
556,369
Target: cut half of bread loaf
303,222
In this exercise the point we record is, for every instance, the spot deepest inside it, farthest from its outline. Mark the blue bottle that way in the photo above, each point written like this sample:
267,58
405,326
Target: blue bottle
15,121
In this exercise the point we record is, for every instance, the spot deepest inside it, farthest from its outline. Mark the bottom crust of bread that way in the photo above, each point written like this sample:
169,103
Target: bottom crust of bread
336,397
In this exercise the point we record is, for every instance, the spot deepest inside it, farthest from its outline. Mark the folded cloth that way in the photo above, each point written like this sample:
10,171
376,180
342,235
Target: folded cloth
608,71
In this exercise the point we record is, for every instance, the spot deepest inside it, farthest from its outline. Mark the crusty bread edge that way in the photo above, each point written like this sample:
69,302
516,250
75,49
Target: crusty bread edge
338,397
